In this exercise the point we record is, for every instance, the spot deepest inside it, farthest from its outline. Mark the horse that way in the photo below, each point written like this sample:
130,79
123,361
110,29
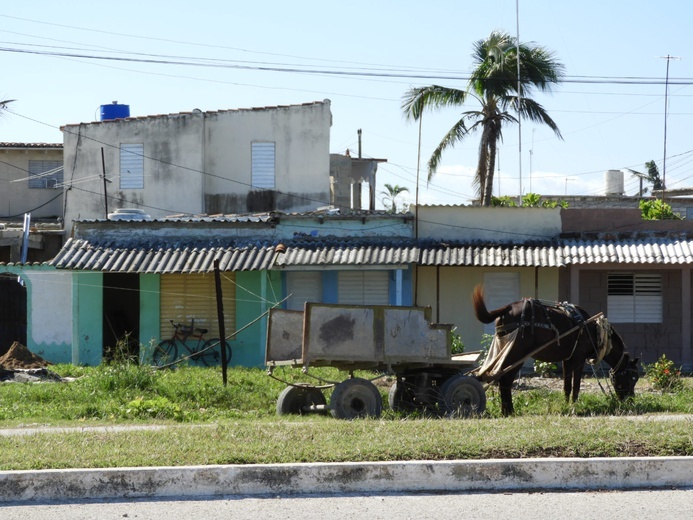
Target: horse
554,332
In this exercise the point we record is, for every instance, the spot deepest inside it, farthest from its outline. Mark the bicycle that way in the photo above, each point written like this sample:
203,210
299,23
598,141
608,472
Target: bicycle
203,351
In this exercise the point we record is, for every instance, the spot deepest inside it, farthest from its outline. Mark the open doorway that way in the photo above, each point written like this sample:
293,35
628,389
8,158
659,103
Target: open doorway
121,316
12,312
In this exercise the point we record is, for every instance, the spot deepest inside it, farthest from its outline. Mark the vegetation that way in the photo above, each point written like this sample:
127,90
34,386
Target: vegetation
664,375
653,176
530,200
389,198
494,85
207,423
657,209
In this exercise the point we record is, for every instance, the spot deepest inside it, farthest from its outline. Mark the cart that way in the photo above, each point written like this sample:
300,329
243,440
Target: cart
384,340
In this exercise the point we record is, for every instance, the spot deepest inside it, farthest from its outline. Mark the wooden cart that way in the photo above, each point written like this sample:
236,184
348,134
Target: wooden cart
384,340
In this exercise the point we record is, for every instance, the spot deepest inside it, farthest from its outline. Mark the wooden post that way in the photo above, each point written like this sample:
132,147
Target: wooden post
105,192
220,317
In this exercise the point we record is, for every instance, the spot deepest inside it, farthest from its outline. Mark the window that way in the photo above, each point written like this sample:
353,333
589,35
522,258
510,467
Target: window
188,297
262,164
303,286
45,174
131,166
634,298
364,287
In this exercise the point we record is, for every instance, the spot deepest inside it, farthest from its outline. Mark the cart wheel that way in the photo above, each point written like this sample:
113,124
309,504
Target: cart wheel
399,398
297,400
354,398
462,396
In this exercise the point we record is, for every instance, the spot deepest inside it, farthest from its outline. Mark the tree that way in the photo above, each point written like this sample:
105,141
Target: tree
390,196
494,85
653,176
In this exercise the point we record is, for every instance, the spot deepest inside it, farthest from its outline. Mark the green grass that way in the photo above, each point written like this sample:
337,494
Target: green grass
212,424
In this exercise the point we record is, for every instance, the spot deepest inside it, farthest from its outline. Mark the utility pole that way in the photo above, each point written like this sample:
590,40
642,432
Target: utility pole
666,116
519,96
105,192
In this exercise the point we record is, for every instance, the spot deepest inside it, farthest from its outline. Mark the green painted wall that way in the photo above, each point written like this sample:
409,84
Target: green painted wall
87,327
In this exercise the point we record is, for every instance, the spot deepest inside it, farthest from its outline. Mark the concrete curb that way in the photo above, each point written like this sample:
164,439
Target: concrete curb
356,477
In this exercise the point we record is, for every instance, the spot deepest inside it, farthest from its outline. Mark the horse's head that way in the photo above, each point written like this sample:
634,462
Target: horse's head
625,376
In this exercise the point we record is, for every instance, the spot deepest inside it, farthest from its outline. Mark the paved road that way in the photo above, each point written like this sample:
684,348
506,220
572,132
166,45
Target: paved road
612,505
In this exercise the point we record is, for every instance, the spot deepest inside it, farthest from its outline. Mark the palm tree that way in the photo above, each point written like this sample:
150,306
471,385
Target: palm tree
390,196
494,84
653,176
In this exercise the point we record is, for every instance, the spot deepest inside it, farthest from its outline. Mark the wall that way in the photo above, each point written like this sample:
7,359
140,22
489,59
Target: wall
49,311
87,327
200,162
301,134
645,340
470,223
15,197
172,166
448,290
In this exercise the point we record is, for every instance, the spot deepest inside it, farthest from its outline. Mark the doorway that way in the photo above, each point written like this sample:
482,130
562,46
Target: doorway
121,316
12,312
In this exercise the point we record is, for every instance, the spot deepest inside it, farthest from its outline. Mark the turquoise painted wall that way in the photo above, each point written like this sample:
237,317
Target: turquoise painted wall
87,327
256,292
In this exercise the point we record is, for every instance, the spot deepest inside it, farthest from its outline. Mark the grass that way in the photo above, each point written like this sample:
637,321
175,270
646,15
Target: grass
211,424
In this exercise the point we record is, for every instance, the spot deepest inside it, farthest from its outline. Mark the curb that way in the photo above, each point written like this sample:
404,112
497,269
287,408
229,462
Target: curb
348,477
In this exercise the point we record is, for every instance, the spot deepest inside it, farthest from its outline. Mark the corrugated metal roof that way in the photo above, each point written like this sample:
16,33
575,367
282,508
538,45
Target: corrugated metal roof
485,255
663,251
562,252
30,145
335,252
197,256
162,258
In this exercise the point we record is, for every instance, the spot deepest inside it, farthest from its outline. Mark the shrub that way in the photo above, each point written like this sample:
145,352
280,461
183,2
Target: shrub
544,368
664,375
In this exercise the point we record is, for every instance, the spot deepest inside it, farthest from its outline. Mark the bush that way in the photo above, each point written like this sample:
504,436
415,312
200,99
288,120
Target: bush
664,375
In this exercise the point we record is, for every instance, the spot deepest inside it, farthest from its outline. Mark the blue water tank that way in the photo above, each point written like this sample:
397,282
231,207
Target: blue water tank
114,111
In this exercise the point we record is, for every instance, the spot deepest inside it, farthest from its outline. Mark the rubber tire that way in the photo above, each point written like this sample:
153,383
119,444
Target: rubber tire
462,396
399,399
356,398
212,357
294,399
164,353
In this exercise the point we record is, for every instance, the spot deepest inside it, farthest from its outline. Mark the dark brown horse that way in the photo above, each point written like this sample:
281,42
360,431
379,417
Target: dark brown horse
566,332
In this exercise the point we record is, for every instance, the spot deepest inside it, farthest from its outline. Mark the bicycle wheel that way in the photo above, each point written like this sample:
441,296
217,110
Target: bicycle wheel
212,357
165,352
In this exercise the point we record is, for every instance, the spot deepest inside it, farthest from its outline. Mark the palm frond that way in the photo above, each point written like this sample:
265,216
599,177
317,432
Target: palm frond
433,97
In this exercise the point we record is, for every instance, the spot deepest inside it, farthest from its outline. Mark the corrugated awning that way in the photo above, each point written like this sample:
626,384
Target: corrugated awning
161,259
198,257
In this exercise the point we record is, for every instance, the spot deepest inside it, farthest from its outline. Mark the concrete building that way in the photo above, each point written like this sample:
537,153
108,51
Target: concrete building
218,162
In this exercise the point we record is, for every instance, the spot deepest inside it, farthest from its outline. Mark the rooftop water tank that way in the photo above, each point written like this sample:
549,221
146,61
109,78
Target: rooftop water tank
114,111
614,182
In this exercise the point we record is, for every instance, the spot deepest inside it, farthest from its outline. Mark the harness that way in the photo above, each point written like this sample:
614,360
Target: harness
528,319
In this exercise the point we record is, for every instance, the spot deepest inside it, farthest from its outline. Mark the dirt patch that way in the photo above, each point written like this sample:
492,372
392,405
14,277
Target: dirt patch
20,357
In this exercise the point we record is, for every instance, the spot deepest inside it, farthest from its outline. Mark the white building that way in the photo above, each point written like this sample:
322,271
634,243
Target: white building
218,162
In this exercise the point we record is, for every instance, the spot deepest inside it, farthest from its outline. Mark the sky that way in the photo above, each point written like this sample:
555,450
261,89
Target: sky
614,108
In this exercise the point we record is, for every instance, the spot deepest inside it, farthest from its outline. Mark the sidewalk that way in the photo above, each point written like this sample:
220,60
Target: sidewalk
370,478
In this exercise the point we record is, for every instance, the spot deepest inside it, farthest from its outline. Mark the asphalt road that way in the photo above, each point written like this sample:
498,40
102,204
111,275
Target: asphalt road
614,505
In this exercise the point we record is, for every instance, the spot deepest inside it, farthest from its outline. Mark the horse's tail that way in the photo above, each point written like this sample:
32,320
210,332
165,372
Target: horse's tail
480,310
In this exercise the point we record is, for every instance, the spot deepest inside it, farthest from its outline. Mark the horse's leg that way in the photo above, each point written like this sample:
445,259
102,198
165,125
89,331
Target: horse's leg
567,379
577,379
505,385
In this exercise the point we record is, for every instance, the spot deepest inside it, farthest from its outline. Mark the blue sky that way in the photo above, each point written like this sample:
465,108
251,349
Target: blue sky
610,111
